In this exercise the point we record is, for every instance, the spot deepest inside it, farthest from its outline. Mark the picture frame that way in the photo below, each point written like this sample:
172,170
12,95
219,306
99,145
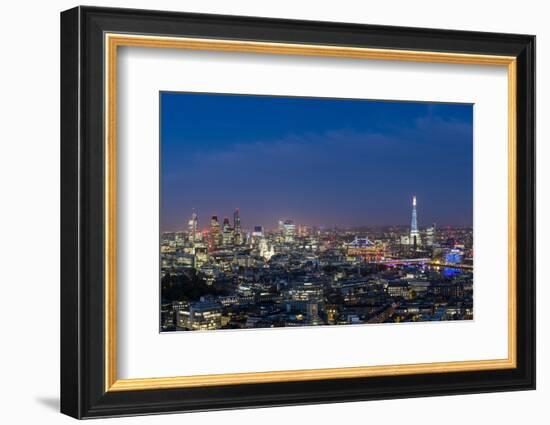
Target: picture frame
90,41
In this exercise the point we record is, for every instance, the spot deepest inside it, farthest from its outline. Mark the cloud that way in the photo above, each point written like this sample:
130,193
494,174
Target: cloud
340,175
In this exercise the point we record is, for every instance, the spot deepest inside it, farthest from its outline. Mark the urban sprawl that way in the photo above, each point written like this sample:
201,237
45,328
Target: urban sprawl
225,276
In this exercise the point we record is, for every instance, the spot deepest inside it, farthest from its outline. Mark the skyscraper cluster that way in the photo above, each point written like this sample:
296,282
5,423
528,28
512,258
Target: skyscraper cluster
226,235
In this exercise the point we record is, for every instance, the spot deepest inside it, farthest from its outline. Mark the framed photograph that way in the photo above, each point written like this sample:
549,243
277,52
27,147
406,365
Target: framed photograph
261,212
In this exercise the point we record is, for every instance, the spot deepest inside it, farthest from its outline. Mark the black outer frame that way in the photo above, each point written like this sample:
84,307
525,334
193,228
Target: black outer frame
82,217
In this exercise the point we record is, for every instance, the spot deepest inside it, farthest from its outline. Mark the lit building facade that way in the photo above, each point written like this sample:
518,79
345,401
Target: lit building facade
200,316
238,236
415,234
228,234
215,234
192,227
431,235
289,230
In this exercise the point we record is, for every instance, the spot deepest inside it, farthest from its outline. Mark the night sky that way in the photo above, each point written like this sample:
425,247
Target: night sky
331,162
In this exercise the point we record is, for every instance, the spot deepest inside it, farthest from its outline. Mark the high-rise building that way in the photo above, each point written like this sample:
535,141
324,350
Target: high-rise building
227,233
289,229
415,234
192,226
215,234
237,227
258,231
226,224
430,235
236,220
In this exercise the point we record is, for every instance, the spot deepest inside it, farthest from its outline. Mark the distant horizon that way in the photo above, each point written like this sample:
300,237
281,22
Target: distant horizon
204,222
318,161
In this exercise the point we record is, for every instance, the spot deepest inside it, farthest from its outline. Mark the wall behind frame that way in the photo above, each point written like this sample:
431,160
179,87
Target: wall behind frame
29,172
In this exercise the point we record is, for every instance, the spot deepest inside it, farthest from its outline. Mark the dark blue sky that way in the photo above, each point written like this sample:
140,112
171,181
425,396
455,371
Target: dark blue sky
318,161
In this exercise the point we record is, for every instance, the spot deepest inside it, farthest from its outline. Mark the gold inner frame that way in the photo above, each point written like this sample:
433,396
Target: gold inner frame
113,41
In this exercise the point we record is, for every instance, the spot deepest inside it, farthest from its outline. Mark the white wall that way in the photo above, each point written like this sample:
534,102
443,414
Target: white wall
29,217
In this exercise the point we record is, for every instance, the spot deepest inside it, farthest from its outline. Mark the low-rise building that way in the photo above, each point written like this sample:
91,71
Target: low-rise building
200,316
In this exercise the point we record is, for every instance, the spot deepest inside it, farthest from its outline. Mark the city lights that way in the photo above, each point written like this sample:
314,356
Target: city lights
234,276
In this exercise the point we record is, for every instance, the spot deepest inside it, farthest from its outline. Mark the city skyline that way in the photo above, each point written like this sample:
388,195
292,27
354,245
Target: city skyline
205,223
314,161
224,277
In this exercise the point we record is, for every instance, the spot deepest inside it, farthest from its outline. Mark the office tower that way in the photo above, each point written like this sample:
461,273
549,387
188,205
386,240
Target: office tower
430,235
214,232
225,224
237,227
258,231
289,230
192,226
227,233
236,220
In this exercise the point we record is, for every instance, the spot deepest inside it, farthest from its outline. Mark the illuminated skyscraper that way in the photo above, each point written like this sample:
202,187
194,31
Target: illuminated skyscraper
192,226
430,235
236,220
225,224
289,230
214,232
227,233
415,234
237,227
